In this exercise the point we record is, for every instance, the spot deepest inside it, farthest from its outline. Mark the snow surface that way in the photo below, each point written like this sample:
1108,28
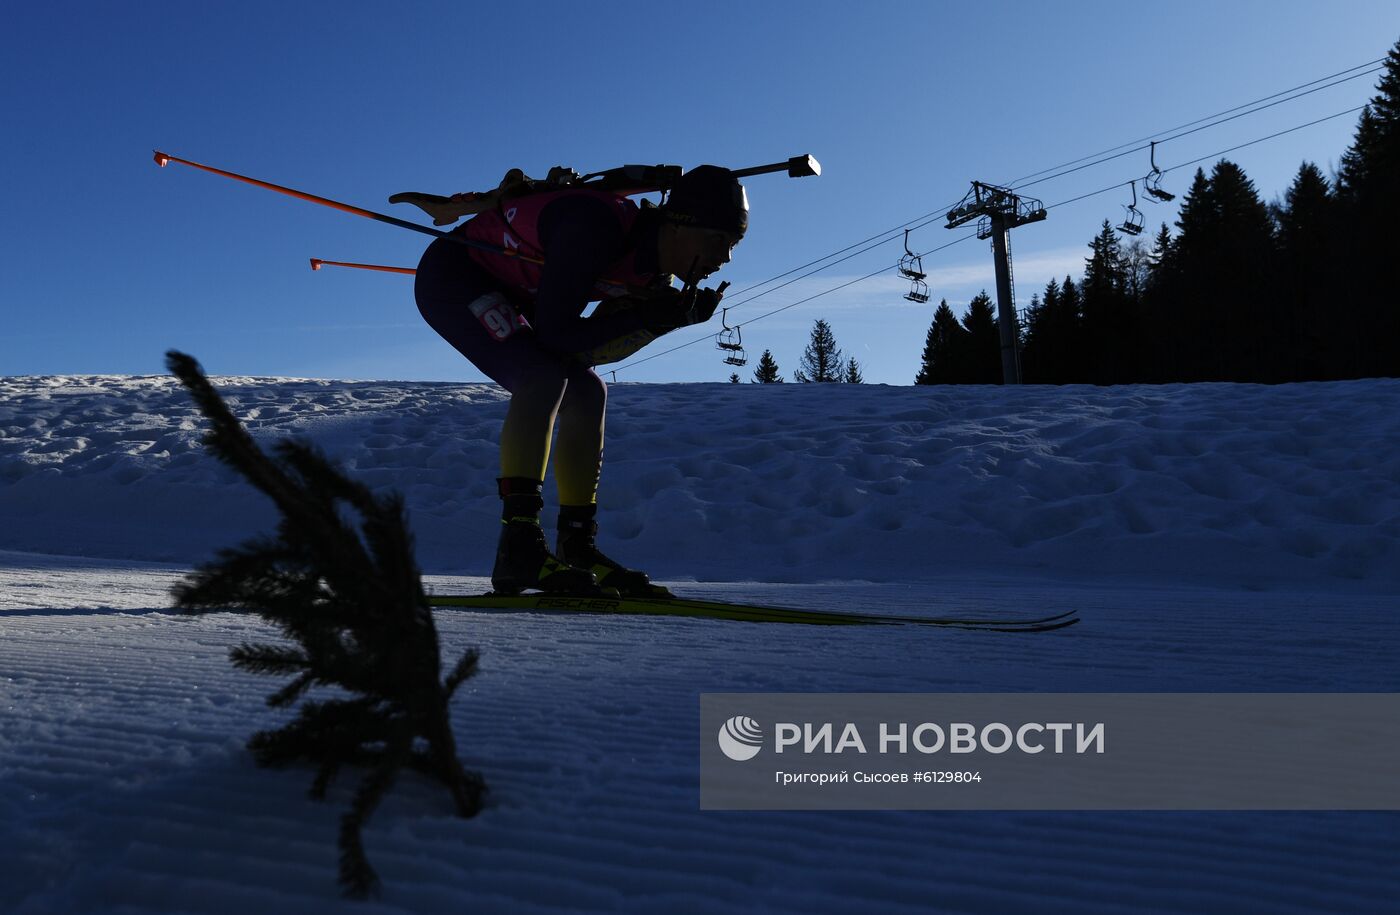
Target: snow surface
1213,537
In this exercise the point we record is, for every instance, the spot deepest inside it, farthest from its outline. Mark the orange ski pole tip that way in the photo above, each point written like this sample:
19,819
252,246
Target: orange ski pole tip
316,263
162,159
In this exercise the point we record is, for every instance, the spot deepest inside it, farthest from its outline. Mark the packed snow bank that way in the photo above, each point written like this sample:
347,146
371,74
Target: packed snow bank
1293,486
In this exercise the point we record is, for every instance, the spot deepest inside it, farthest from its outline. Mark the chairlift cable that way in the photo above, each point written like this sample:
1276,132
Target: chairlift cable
1373,64
1178,136
1180,165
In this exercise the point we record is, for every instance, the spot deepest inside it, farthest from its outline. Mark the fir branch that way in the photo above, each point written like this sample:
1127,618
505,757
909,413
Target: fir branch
268,659
352,600
324,776
356,875
292,691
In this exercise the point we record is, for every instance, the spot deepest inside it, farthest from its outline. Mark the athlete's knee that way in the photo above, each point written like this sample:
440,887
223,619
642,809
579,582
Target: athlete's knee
543,388
586,393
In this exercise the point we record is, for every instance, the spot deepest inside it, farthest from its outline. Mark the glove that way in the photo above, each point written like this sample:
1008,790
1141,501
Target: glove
682,308
706,301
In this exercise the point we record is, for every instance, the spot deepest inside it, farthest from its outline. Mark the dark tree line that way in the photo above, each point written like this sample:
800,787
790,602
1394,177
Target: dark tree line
1299,290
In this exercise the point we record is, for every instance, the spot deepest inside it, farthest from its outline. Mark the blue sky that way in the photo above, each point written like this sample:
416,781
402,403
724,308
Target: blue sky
109,261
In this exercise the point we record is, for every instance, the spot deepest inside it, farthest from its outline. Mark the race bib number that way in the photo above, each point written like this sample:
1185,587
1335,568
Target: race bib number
497,316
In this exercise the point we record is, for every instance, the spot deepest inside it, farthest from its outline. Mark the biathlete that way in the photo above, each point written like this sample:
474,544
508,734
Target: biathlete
522,324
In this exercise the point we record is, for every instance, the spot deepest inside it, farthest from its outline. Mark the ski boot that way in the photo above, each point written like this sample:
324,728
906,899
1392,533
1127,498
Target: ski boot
523,560
577,545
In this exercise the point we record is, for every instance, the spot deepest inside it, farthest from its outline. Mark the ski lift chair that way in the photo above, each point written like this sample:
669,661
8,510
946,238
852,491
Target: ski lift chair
1133,224
731,341
1152,184
911,267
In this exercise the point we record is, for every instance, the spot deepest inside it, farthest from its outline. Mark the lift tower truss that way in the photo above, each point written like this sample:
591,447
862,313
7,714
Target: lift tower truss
998,210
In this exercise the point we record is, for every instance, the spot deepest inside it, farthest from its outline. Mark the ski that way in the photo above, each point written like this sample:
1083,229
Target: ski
937,621
561,603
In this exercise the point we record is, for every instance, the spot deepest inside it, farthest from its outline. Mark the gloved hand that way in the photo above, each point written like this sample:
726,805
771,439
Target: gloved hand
675,308
706,301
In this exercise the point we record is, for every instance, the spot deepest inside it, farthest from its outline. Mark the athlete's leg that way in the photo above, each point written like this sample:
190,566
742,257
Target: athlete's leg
448,282
578,459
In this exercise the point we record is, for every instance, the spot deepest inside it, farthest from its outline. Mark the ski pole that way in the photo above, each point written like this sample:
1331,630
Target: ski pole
317,264
163,159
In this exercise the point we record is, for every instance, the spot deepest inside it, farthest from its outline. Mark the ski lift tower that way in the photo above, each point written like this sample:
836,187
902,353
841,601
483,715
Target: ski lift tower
998,211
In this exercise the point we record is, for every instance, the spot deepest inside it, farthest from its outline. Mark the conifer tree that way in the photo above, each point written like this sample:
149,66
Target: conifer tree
982,357
767,371
1052,337
1302,216
733,377
1103,269
353,602
853,375
1369,175
1160,331
941,346
821,361
1313,348
1032,372
1196,220
1033,314
1160,253
1220,280
1381,157
1355,174
1108,325
1244,283
1070,302
1185,286
1368,196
